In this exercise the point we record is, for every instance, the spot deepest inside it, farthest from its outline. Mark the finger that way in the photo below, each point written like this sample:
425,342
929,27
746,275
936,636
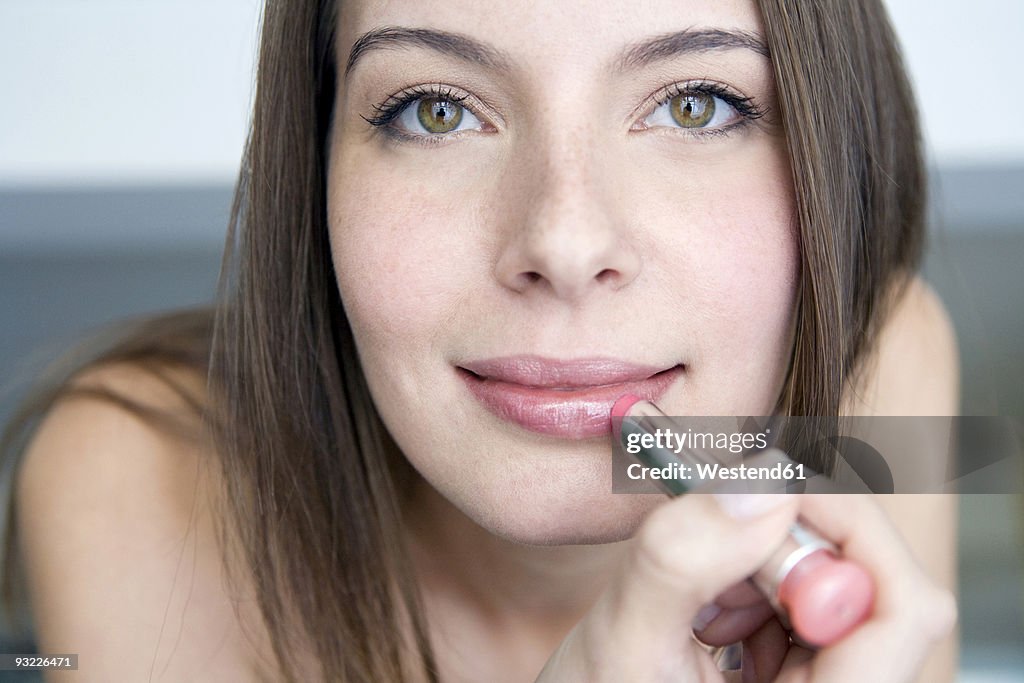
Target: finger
843,519
742,594
865,535
686,553
734,614
910,613
733,625
764,651
795,666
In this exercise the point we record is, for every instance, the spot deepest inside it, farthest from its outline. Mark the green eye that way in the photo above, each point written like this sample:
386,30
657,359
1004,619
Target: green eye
692,110
438,115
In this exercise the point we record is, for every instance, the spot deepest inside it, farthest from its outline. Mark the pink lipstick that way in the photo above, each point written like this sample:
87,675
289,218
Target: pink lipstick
820,595
564,398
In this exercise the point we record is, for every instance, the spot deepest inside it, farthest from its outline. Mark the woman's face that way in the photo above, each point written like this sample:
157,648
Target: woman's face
562,212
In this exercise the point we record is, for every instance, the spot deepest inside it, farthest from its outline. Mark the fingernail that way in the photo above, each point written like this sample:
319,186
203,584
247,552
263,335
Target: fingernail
705,616
746,505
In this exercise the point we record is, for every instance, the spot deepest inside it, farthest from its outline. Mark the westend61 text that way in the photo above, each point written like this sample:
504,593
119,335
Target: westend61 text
715,472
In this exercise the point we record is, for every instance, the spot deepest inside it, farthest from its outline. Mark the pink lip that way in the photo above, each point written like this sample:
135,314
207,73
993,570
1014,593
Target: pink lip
571,399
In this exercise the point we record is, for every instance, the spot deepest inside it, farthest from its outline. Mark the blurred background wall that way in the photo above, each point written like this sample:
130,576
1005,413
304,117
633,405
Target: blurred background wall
120,136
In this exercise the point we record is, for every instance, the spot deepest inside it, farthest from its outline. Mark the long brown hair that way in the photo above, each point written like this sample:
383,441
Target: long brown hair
854,145
313,483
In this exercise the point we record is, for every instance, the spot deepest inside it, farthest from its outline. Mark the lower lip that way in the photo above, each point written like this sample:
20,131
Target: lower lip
577,413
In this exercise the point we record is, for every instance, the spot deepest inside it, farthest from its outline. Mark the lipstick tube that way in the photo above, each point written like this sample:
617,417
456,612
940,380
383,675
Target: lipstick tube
816,593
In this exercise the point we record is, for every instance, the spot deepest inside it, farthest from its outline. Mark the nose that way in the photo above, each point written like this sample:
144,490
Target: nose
565,236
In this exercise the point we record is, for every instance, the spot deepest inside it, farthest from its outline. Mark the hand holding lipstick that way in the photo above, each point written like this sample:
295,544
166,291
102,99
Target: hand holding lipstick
686,578
822,596
696,551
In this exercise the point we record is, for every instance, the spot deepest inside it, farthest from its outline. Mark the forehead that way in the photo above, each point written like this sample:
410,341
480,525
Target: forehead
539,34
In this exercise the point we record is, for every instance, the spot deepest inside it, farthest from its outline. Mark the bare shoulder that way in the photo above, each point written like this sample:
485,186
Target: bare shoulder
914,370
914,367
118,542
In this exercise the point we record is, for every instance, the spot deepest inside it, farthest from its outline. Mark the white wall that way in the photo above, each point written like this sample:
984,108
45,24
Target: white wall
148,91
124,91
964,59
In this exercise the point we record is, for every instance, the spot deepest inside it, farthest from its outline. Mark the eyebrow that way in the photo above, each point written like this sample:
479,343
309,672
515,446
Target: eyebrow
455,44
634,56
688,41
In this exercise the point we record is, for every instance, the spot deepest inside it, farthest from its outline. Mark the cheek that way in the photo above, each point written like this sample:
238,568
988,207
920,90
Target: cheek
729,267
398,261
757,278
752,258
405,264
752,332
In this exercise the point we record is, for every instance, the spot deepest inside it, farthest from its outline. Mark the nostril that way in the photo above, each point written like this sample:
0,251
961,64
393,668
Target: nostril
605,275
526,280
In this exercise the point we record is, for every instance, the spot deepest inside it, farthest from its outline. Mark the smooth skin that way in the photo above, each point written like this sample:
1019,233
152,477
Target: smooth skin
563,219
124,569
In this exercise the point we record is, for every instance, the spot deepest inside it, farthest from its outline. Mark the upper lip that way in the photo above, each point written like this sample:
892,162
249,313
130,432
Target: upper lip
551,373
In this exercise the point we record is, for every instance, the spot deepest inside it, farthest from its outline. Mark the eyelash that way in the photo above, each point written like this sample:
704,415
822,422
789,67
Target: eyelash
393,107
744,106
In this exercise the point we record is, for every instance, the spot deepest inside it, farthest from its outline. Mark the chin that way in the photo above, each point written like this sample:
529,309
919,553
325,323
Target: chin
535,493
565,520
